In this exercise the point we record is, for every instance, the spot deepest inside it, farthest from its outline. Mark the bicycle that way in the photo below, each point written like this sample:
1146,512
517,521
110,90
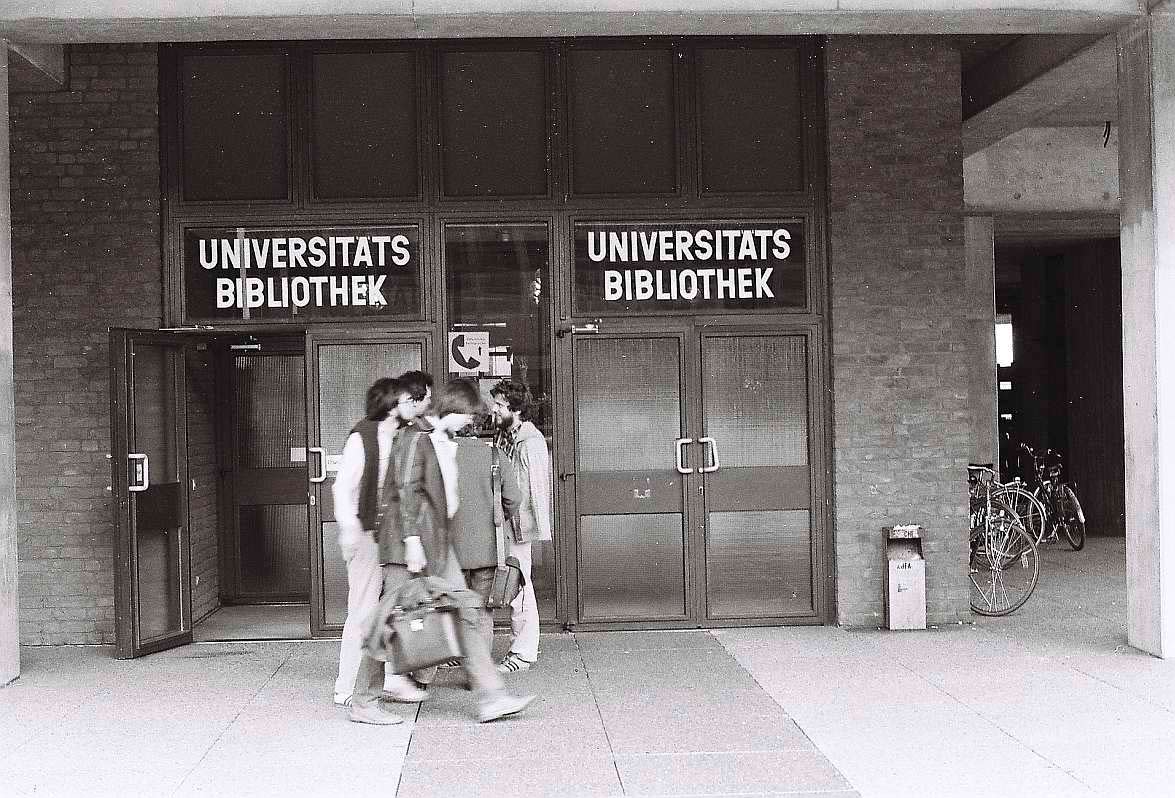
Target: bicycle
1062,510
1004,564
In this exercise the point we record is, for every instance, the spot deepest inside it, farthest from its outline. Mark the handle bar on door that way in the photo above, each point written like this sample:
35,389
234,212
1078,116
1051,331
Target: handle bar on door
680,446
321,452
714,464
142,470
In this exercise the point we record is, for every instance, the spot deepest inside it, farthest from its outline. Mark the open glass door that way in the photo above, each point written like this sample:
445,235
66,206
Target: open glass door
153,597
340,366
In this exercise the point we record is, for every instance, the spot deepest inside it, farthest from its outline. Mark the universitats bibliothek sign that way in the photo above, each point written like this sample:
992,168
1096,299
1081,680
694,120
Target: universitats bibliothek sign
329,272
704,267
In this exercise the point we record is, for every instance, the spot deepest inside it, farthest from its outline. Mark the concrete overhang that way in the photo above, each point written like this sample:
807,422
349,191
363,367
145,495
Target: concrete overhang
36,67
63,21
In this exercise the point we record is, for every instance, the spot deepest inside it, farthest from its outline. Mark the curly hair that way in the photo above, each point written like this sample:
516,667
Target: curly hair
415,384
517,395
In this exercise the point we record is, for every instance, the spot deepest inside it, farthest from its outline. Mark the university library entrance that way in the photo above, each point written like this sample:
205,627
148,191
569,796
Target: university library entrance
634,228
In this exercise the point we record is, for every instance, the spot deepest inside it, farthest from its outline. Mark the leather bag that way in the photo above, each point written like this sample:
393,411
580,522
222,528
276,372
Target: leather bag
508,578
422,636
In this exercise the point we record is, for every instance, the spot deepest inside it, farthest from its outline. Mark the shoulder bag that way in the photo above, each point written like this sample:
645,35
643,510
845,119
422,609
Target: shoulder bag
508,578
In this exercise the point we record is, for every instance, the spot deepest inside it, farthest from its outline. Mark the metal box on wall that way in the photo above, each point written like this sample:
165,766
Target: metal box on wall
905,578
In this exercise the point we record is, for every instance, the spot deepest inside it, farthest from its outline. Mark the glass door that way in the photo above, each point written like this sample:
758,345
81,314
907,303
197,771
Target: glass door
153,597
631,476
694,496
340,366
760,548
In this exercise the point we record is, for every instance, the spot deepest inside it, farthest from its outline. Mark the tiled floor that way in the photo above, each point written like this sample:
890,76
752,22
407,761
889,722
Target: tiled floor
1047,702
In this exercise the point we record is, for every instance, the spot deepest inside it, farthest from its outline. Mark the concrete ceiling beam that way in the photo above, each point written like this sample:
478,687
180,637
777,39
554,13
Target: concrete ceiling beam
58,21
1084,79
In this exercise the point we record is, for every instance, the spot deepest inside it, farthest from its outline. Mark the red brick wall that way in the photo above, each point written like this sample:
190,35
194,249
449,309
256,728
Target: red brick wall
86,256
901,355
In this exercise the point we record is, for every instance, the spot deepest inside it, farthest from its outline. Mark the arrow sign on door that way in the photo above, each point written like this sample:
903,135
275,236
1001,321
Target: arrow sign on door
469,352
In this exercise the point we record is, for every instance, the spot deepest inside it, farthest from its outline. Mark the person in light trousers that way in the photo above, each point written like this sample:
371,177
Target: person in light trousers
520,440
362,468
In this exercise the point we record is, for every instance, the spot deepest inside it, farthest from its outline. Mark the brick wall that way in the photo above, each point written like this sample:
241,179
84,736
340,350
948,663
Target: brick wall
899,306
86,256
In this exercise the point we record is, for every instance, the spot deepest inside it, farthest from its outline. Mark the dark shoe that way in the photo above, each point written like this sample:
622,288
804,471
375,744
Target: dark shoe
503,706
376,714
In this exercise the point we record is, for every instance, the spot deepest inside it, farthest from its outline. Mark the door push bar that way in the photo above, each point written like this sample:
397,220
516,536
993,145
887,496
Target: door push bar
141,469
321,452
710,443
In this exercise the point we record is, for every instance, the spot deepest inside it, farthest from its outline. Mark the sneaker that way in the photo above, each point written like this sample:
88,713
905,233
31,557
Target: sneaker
403,689
503,706
450,663
512,663
376,714
342,701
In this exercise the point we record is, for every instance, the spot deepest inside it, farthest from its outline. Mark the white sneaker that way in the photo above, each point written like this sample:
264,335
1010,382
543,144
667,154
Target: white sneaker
512,663
402,689
342,700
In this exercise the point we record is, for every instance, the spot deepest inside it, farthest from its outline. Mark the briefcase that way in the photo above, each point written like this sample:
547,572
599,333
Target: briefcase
508,582
421,637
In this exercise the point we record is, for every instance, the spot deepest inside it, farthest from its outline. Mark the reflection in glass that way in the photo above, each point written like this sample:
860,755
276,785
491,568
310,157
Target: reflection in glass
157,537
497,283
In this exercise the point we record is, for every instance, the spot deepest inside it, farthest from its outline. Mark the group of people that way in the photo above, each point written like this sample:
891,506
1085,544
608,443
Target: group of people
414,494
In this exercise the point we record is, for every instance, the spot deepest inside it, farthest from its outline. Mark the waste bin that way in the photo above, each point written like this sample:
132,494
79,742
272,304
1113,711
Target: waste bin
905,578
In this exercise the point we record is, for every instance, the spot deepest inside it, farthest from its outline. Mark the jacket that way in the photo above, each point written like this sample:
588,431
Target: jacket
527,449
414,500
472,528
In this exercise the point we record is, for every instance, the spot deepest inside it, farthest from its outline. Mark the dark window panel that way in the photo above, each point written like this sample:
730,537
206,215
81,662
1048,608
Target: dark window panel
751,120
235,127
622,120
365,126
494,124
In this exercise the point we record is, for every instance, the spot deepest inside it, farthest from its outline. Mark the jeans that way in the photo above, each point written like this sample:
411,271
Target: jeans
479,666
479,581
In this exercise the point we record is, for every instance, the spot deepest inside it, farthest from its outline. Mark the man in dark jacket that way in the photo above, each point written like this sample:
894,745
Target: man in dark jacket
474,538
414,534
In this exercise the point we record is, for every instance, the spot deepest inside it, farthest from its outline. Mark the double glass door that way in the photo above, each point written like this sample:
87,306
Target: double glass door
694,493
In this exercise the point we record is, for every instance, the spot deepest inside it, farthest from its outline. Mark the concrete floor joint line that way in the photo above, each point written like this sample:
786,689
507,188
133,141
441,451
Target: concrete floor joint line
244,705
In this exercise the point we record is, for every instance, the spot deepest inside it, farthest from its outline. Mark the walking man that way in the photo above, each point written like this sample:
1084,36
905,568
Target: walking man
520,440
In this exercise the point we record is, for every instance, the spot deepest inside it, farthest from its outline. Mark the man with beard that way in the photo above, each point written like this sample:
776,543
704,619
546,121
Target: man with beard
520,441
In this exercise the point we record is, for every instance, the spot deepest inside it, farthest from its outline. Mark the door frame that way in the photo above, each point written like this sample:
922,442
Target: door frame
692,329
316,337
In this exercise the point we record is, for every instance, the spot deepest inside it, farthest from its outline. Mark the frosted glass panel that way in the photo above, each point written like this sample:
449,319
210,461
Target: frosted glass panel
755,399
628,405
269,422
759,563
631,566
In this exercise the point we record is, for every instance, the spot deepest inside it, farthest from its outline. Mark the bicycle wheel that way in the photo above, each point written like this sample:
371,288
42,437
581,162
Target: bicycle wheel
1004,563
1026,505
1071,519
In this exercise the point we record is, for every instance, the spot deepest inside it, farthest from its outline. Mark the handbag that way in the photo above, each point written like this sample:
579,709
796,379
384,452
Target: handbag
508,579
414,629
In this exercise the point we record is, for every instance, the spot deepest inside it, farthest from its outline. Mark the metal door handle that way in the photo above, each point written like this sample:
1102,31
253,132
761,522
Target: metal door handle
714,464
142,471
680,444
321,463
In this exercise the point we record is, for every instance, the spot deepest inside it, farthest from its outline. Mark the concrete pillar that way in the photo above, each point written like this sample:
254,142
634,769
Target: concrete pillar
979,237
9,628
1146,165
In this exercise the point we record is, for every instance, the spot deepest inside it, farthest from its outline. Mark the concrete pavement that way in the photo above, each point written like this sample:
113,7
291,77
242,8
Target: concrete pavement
1048,702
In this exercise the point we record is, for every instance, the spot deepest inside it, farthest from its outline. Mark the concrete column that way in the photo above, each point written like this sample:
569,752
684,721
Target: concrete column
9,587
1146,166
979,237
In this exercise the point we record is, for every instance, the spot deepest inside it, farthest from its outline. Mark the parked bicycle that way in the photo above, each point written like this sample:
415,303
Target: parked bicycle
1062,513
1004,565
